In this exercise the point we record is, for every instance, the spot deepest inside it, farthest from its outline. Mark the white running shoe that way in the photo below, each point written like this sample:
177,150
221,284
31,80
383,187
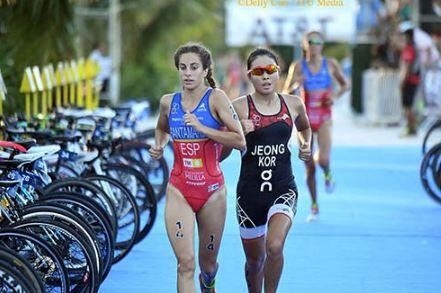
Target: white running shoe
313,216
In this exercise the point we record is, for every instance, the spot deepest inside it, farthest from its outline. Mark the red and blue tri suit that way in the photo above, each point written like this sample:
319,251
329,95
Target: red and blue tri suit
196,170
316,89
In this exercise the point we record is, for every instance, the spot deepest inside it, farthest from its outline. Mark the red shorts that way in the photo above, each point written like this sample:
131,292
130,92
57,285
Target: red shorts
197,194
318,112
318,116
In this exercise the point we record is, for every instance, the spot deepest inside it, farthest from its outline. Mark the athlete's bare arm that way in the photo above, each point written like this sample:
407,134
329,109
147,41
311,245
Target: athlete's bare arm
301,121
294,78
162,132
337,73
241,108
223,110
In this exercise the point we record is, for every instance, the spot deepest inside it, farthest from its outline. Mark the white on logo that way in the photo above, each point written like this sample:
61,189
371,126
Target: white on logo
266,176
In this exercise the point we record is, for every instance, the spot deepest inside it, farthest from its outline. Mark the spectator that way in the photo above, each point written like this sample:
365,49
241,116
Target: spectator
105,63
409,79
428,53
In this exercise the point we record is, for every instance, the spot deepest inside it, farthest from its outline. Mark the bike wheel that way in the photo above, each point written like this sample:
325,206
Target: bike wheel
87,189
74,249
12,280
432,136
430,173
55,212
46,262
96,217
12,260
143,192
156,171
126,211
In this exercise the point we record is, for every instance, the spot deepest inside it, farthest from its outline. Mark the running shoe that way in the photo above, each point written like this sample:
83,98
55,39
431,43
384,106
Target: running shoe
314,213
207,288
329,183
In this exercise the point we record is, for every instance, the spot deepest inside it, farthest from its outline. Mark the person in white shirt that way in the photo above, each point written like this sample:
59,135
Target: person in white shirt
428,53
105,63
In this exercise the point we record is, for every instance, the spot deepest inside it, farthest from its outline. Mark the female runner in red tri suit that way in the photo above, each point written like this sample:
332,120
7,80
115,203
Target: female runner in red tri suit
196,189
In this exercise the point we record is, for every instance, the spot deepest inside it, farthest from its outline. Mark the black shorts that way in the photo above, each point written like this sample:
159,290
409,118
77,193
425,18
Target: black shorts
408,94
254,209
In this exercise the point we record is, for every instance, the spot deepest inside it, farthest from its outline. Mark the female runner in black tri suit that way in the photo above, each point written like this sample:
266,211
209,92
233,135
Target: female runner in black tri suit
266,191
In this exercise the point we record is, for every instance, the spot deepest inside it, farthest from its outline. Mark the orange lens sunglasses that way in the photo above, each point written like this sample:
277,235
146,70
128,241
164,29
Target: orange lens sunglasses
258,71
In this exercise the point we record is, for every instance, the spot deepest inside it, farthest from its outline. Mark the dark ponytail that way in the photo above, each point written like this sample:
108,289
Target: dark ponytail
205,56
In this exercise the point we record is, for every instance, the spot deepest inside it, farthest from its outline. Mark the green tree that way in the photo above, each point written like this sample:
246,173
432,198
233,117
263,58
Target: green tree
154,35
33,33
39,32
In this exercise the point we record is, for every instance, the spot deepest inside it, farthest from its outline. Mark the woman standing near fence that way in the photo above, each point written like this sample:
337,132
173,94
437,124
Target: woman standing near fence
266,191
314,73
196,188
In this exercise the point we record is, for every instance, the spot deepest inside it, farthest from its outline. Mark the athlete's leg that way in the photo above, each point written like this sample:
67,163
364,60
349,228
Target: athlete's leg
179,221
255,260
211,221
408,98
278,227
324,145
411,121
310,175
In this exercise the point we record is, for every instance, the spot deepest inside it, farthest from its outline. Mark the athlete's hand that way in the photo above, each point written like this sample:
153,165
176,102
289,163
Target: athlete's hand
247,126
191,120
156,152
305,152
329,100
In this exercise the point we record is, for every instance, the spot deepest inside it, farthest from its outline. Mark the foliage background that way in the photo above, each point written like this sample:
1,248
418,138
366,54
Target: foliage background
39,32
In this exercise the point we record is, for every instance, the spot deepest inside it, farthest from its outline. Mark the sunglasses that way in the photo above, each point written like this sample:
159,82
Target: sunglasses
258,71
317,42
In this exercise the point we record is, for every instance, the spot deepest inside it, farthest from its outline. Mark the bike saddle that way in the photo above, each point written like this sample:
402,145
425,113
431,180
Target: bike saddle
12,145
27,143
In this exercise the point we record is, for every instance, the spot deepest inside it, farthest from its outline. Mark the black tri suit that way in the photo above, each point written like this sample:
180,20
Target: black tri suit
266,184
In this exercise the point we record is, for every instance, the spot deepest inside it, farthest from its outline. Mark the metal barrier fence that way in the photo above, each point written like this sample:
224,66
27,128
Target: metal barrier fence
381,96
432,88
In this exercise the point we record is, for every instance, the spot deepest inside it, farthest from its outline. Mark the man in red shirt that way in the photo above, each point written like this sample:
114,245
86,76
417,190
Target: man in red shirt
409,79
